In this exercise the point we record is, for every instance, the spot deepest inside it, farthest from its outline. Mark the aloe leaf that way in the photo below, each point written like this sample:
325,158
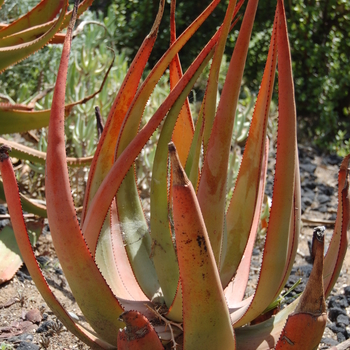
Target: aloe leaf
212,86
22,238
192,163
10,258
163,252
105,152
43,12
184,129
235,290
138,334
305,327
127,199
14,54
27,204
206,321
23,152
338,245
114,263
112,181
14,121
132,120
279,229
212,186
29,34
90,289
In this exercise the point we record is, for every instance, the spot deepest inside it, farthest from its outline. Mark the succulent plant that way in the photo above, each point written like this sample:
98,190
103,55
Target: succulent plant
179,279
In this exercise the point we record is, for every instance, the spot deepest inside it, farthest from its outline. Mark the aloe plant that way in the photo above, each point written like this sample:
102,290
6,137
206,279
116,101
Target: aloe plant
180,279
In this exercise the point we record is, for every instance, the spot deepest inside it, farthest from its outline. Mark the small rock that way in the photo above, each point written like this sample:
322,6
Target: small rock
322,198
24,345
23,276
45,326
34,316
341,337
334,312
343,320
19,338
329,341
337,329
339,300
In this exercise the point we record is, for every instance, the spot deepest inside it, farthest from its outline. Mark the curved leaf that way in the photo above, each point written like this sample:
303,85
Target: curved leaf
14,54
206,320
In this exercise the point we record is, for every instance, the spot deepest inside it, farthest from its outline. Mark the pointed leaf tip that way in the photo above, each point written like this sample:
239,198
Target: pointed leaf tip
4,152
179,175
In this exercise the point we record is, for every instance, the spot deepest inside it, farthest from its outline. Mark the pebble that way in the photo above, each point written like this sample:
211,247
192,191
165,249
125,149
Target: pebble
24,345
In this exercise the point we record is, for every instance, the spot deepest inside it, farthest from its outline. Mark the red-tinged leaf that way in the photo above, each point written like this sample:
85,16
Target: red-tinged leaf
300,325
338,245
163,252
212,186
128,202
14,54
90,289
276,253
111,183
27,35
138,334
235,290
183,130
240,214
43,12
105,152
302,331
213,81
305,327
206,321
114,263
131,123
12,199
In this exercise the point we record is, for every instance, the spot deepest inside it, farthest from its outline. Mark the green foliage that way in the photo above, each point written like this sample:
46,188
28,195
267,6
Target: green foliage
319,34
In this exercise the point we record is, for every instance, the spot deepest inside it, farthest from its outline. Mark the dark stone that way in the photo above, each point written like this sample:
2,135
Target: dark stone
322,209
43,260
24,345
22,276
334,312
332,159
308,167
336,329
4,223
322,198
20,338
3,209
59,271
45,326
343,320
256,252
338,301
341,337
46,229
347,291
329,341
325,189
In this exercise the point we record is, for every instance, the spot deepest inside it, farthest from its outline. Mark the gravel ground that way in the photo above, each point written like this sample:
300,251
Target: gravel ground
27,323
